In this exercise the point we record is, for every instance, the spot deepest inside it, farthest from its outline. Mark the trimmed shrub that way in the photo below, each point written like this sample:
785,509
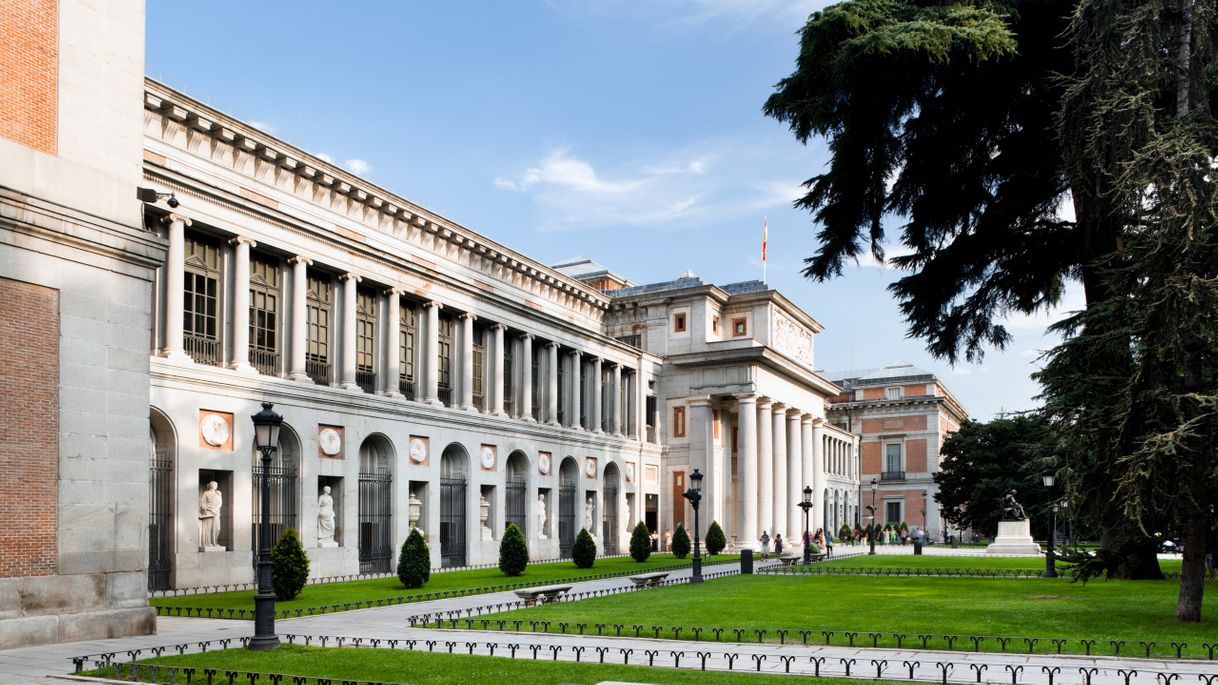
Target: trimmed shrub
513,551
289,566
844,533
715,539
583,553
640,543
680,543
414,561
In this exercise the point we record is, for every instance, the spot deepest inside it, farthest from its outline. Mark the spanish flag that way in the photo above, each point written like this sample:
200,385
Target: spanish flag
765,238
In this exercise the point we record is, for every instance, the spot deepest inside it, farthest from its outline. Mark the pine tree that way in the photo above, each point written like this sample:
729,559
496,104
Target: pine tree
583,553
680,543
414,561
640,543
289,566
513,551
715,539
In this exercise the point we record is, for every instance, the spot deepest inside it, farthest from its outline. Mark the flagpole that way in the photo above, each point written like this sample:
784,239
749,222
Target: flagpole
765,238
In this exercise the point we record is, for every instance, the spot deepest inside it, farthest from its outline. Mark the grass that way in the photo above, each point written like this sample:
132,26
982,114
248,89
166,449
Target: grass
423,668
1040,608
881,560
384,588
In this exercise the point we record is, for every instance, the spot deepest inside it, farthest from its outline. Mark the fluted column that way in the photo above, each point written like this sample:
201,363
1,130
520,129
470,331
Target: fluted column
431,355
552,383
765,467
297,370
526,377
807,448
576,389
595,418
175,283
467,362
818,473
392,346
702,456
239,351
779,446
795,475
615,415
747,531
497,372
350,281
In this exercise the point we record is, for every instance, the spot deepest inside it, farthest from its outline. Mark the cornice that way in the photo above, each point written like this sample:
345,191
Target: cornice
369,205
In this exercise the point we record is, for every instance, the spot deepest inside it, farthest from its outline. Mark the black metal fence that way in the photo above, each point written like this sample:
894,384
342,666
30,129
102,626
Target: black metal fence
375,521
283,500
452,522
161,487
566,518
516,491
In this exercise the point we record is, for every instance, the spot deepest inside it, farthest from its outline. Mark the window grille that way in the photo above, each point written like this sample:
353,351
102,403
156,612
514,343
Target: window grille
284,499
479,348
535,381
562,389
365,339
444,356
516,491
408,332
320,305
201,300
509,364
162,489
264,314
375,509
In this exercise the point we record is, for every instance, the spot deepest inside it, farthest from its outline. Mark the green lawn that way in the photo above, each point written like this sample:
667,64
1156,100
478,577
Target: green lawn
384,588
1036,607
422,668
881,560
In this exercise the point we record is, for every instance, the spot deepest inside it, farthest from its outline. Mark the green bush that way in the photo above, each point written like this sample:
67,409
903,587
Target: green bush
844,534
289,566
513,551
680,543
640,543
414,561
583,553
715,539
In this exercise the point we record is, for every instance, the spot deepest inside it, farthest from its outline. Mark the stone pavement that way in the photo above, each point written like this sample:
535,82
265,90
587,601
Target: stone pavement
40,664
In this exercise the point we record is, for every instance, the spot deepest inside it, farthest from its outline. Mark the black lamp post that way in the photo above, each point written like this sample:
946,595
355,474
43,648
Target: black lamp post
871,510
1050,560
266,439
806,505
694,495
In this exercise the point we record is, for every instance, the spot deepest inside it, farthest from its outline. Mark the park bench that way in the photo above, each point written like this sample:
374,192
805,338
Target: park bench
542,595
649,579
792,559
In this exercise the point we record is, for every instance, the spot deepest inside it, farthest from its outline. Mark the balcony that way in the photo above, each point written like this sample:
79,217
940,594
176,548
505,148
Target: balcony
318,370
366,380
202,350
266,361
892,475
445,395
406,386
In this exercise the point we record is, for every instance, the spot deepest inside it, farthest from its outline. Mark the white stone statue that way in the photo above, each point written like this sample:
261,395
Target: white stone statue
541,516
210,503
626,517
590,515
415,511
484,514
325,519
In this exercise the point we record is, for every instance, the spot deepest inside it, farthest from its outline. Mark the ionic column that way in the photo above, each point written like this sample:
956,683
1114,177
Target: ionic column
526,377
431,355
747,531
175,283
795,475
239,354
818,473
595,418
615,415
807,448
576,390
392,346
467,362
300,319
552,383
702,456
497,372
779,446
347,379
765,467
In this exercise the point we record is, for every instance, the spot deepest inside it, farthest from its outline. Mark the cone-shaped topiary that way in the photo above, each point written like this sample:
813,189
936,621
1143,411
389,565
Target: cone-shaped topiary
640,543
583,553
414,561
715,539
680,543
513,551
844,534
289,566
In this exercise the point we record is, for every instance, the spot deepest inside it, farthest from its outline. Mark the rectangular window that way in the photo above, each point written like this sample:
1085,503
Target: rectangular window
509,370
715,324
715,424
562,388
892,512
894,467
365,339
740,327
264,314
678,422
320,306
678,322
444,340
479,367
893,393
201,300
535,383
408,333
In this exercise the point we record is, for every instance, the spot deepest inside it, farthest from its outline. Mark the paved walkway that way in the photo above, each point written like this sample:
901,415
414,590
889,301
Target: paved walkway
41,664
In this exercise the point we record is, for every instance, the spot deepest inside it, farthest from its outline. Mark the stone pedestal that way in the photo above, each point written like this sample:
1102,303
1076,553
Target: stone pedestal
326,544
212,548
1014,537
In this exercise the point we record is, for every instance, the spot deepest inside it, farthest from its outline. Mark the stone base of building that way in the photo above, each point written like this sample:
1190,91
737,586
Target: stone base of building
1014,537
29,631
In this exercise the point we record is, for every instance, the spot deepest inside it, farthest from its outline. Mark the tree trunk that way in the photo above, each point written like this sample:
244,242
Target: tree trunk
1192,570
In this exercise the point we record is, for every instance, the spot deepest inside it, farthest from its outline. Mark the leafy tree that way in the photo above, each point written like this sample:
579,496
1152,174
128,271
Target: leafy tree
680,543
289,566
583,553
513,551
640,543
414,561
715,539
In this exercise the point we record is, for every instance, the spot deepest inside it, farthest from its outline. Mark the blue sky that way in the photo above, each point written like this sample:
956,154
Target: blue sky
627,132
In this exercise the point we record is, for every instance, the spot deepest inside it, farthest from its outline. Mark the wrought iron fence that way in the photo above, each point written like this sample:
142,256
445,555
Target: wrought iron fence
202,350
266,361
318,370
366,380
283,500
375,521
452,522
161,486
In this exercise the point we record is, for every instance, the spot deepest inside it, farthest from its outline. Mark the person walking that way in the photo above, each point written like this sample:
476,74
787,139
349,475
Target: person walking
777,544
828,544
765,544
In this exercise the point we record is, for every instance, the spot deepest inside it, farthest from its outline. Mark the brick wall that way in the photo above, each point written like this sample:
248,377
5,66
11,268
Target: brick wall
915,456
29,70
29,427
894,424
870,453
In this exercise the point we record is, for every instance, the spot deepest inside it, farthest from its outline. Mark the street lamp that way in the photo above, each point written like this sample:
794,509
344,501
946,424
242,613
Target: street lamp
266,439
871,509
694,495
1050,561
806,505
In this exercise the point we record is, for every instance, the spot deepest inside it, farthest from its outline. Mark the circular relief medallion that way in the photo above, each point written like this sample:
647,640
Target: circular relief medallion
331,442
629,473
418,451
543,463
214,429
488,457
590,468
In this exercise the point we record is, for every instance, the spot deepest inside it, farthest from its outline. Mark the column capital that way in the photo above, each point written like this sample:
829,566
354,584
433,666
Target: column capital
596,359
498,327
432,303
350,276
299,259
551,344
242,239
467,315
177,218
395,290
777,407
764,402
794,413
703,401
525,336
807,418
746,397
576,353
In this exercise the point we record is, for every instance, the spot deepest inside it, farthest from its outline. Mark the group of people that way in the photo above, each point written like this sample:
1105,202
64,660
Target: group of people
819,538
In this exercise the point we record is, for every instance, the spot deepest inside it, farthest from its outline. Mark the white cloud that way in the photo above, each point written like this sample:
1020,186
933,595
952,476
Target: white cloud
262,126
324,157
358,167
